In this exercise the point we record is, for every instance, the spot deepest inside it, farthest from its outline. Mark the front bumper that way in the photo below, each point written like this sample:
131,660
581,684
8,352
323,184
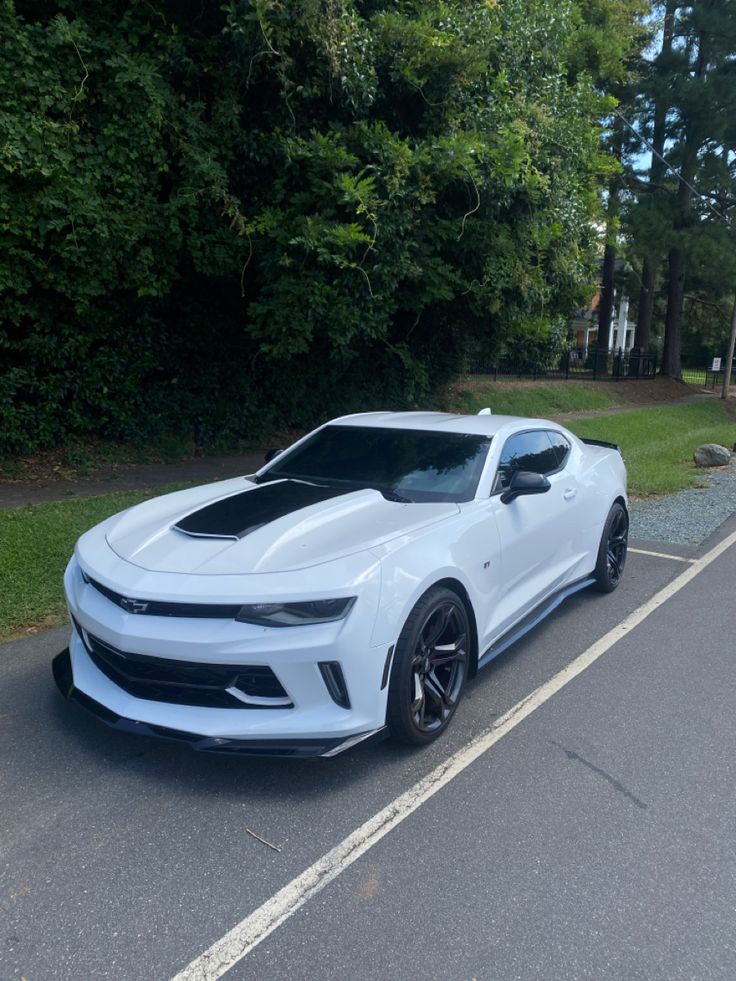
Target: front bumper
310,720
63,676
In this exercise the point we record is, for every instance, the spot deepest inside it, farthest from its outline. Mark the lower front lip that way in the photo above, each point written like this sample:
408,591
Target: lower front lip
63,676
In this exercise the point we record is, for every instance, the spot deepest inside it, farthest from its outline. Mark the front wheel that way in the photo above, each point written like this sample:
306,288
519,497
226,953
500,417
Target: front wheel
612,549
430,667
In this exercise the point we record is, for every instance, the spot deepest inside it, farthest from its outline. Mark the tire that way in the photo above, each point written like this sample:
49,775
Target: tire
430,668
609,568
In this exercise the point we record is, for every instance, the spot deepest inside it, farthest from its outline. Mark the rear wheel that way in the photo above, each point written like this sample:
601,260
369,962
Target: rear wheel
612,550
430,667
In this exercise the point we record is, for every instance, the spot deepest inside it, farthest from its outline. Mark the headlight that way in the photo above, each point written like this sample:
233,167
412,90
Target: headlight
295,614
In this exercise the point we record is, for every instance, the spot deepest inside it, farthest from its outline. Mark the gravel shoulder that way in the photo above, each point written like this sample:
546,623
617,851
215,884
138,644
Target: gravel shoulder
691,516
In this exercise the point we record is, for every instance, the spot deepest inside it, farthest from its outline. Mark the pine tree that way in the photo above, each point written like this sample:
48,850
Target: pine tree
699,136
659,105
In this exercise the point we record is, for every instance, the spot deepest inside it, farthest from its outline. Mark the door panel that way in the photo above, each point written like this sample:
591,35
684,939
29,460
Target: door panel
538,534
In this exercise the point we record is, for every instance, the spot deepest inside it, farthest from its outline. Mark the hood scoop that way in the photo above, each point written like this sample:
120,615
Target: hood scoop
241,514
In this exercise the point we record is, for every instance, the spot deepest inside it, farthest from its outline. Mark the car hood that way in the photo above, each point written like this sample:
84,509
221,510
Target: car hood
238,527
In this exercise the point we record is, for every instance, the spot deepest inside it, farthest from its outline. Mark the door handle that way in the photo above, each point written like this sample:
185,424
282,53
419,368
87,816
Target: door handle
569,493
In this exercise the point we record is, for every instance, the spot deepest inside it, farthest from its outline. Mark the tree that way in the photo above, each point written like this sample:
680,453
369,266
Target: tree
687,105
217,217
658,94
609,48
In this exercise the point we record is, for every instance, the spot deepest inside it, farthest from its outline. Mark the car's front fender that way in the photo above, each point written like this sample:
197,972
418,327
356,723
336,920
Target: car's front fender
465,549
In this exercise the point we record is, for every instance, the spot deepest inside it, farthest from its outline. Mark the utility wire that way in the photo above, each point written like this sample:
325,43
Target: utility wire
672,170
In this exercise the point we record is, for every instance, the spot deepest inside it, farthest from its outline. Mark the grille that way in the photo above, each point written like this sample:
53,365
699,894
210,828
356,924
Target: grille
183,683
154,608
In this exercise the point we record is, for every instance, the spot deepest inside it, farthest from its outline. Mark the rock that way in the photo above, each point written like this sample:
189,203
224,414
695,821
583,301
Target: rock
711,455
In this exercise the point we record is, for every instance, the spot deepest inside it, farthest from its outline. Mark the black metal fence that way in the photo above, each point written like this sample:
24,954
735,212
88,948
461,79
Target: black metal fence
594,363
707,377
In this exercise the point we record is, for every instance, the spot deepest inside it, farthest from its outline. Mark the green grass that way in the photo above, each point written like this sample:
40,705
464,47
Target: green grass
530,399
658,444
36,542
693,376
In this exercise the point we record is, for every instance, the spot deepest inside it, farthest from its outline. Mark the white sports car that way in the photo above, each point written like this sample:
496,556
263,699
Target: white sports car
352,586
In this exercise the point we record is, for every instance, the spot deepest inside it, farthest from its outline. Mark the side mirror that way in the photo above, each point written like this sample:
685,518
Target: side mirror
271,455
524,482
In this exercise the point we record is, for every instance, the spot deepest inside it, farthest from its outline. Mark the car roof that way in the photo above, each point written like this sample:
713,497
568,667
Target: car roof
482,425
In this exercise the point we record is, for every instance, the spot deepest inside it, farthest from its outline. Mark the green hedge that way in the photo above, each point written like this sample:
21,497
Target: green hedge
219,217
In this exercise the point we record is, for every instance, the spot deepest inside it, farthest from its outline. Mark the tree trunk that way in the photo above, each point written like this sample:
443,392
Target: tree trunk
656,173
644,315
677,258
605,307
729,358
646,304
673,321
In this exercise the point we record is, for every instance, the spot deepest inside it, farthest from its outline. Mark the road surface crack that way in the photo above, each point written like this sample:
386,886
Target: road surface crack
616,784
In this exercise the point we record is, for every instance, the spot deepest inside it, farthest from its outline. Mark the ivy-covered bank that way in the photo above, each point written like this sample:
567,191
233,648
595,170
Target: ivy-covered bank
218,215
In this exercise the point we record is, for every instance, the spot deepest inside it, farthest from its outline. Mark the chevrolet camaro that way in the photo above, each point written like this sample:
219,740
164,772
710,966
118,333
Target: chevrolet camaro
352,586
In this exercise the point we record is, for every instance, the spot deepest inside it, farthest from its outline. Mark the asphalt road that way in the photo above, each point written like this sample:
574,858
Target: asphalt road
595,840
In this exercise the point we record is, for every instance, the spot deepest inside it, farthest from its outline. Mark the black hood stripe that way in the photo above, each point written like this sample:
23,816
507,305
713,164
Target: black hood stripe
240,514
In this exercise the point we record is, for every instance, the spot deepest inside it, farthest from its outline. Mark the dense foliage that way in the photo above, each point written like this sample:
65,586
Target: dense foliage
680,217
218,217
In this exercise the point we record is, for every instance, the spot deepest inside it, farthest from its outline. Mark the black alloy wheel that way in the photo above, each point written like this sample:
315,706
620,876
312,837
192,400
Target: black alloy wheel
430,667
612,550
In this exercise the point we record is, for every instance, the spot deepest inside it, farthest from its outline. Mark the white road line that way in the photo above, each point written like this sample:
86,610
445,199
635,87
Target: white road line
661,555
251,931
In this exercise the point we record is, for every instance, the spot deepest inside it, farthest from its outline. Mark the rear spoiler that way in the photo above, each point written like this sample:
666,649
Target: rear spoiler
600,442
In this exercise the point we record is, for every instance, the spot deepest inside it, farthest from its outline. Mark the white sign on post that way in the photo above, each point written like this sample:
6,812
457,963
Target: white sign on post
716,364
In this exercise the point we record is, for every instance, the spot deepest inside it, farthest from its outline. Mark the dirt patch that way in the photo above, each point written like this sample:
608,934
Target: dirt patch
730,404
96,460
647,390
639,392
14,494
83,459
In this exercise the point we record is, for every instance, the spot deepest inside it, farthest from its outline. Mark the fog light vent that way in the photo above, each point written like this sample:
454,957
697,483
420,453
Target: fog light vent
335,682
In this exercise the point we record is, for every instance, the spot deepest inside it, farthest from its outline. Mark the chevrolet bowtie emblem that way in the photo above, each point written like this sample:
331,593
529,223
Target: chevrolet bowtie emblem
133,605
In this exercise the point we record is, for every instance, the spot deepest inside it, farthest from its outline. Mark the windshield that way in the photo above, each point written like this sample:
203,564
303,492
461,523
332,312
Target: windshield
410,465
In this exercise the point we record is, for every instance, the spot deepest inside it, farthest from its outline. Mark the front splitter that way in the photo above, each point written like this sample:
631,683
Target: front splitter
302,748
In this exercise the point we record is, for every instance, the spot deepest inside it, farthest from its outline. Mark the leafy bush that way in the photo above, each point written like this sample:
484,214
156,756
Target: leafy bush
219,218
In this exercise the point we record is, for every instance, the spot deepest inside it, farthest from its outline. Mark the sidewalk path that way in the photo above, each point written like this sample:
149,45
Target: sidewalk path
634,407
204,470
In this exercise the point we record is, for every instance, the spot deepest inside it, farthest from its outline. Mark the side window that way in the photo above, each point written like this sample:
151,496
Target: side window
530,451
561,448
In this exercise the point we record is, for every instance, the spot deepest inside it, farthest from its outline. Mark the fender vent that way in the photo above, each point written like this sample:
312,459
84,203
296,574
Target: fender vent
335,681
